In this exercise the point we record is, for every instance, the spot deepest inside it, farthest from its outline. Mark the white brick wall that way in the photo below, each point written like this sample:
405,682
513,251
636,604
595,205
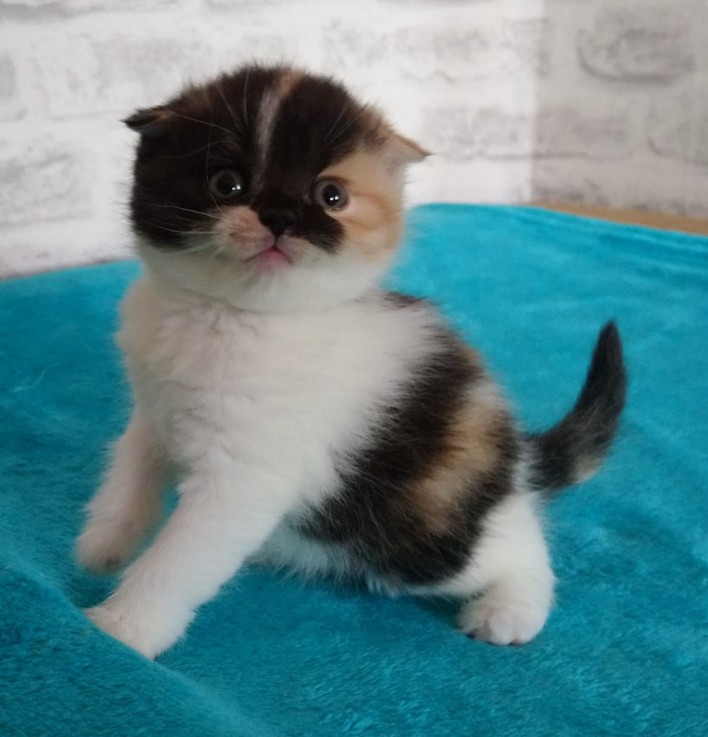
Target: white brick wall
602,101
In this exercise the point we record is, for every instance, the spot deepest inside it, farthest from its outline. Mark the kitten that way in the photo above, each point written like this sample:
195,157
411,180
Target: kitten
311,419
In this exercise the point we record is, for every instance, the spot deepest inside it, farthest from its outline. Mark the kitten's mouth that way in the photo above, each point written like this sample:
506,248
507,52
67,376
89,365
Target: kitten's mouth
271,256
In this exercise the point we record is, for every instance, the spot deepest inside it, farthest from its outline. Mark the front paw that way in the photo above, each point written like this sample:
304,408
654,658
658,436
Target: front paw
103,548
145,632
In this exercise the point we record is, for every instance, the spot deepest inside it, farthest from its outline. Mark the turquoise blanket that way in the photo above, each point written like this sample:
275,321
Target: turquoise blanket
625,651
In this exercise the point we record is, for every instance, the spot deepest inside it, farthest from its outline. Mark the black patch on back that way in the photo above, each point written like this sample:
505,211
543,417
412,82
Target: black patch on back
373,515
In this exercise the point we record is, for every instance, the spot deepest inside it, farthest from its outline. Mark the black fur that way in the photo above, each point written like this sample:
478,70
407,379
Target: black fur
563,454
373,515
205,129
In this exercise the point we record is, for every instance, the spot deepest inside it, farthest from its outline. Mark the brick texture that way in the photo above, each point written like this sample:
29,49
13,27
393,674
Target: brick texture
82,6
662,188
11,106
47,180
562,131
574,131
597,101
113,73
446,51
639,43
678,127
242,3
28,4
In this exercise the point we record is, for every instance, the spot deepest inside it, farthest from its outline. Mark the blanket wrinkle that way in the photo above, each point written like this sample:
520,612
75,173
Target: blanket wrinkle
625,651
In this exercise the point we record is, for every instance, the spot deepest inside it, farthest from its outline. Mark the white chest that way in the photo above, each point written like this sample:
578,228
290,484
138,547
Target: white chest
288,391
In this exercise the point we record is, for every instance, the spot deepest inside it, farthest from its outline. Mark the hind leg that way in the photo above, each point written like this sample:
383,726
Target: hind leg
510,577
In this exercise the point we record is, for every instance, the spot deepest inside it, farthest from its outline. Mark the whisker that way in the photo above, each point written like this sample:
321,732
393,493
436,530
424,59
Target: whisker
237,125
334,125
216,253
187,224
202,122
245,96
190,250
180,231
206,174
198,150
184,209
344,129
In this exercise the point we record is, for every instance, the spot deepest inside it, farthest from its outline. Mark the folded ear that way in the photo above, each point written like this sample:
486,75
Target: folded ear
402,151
408,150
149,122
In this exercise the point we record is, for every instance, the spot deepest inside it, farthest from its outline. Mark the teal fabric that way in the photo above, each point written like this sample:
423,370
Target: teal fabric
625,651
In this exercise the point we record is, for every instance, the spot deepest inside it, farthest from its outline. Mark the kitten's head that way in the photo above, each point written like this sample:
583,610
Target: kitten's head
269,188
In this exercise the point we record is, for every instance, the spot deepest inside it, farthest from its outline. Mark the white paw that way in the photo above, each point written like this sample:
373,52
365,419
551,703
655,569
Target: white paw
141,631
103,548
502,619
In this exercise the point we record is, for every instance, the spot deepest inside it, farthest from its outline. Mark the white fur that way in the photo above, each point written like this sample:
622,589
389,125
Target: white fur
510,576
252,408
266,122
254,380
316,281
128,503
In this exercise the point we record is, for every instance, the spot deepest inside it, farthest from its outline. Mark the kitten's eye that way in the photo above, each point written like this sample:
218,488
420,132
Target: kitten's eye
227,184
330,194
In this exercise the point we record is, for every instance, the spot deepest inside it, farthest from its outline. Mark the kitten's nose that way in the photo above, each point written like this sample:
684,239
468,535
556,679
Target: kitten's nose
278,221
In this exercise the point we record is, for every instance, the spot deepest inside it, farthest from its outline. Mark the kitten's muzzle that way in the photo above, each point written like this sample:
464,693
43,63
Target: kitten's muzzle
277,221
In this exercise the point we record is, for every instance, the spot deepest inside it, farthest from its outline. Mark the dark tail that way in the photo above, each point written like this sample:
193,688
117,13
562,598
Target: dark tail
573,450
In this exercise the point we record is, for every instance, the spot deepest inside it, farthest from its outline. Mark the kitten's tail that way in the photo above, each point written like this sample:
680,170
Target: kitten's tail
573,450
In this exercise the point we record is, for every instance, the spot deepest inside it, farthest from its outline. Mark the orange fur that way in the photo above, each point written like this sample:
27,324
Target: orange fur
472,450
374,217
288,81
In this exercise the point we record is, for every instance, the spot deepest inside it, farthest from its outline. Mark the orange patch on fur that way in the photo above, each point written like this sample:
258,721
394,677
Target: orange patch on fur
287,83
472,449
240,231
373,220
241,221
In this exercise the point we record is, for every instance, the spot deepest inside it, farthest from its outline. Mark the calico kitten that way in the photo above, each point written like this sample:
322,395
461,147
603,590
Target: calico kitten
311,419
